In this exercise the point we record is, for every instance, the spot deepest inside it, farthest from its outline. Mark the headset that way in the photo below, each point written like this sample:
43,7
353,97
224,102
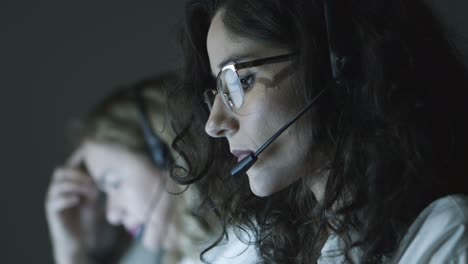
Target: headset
339,33
340,36
157,148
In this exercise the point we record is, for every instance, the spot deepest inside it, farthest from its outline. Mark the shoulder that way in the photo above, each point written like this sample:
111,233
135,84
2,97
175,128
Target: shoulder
448,206
439,234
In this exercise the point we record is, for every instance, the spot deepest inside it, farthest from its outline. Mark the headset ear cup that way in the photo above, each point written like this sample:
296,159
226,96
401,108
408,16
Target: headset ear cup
341,38
159,152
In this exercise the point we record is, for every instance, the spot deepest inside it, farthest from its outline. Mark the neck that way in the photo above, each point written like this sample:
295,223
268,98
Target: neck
318,184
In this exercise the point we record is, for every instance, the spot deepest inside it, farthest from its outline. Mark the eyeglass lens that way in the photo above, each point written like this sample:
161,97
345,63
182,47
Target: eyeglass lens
230,89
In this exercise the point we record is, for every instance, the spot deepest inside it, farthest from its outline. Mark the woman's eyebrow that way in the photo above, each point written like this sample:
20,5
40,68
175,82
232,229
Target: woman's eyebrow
234,58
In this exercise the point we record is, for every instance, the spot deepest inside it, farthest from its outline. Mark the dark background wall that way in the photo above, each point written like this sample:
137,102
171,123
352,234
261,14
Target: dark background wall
58,58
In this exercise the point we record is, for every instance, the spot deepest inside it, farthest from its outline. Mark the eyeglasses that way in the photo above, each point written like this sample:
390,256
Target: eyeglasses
231,87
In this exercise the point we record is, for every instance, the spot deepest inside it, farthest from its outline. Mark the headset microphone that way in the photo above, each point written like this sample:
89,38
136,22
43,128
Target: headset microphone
154,202
247,162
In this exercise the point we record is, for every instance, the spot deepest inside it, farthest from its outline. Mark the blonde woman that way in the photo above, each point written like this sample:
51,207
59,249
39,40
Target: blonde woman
123,150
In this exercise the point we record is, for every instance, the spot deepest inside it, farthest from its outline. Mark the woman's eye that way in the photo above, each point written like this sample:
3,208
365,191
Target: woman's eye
247,81
108,182
113,184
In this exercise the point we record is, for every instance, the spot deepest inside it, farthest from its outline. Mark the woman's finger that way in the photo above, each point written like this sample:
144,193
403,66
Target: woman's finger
76,158
63,203
61,188
71,174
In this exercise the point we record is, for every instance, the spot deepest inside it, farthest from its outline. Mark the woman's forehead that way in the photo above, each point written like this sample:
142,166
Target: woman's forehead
224,47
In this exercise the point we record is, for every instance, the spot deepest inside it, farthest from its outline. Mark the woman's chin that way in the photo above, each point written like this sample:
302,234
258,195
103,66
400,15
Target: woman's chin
267,180
261,185
150,242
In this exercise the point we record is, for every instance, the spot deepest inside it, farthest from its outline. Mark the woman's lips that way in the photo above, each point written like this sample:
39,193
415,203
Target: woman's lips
241,154
135,232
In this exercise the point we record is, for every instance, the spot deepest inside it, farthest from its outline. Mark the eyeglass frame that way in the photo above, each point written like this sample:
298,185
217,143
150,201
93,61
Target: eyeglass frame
239,66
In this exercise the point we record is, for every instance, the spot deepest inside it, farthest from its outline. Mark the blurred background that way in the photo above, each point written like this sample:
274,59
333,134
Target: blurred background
57,59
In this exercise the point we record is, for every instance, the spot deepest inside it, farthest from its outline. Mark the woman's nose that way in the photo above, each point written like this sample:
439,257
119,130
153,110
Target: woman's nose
222,122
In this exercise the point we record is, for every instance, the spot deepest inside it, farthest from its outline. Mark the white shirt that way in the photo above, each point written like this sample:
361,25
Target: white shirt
234,251
438,235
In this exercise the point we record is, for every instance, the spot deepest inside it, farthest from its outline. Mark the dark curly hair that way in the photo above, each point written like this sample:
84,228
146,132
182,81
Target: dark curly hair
396,133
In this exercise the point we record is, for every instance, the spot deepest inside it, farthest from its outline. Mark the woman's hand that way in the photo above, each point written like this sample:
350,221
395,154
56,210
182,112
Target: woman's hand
70,204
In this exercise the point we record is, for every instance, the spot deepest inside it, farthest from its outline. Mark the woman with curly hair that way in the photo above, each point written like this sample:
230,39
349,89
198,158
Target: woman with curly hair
363,105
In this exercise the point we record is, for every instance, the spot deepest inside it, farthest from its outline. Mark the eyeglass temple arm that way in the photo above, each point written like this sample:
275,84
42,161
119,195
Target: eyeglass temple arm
264,61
